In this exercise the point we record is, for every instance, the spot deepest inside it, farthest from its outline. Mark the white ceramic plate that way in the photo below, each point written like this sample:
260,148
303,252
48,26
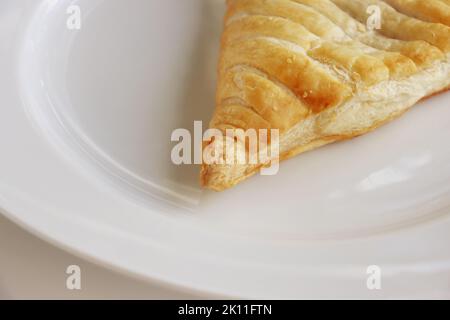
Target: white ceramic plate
85,123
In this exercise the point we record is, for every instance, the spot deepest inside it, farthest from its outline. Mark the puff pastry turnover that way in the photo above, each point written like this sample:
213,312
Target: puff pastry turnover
312,70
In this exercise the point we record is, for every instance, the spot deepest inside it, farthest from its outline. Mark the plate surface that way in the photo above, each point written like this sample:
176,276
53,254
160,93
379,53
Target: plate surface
85,133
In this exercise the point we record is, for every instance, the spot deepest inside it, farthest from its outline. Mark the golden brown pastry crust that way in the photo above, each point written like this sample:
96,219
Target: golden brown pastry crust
284,62
400,26
430,10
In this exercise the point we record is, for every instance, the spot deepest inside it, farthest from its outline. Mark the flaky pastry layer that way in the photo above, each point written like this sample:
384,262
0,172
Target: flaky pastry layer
312,70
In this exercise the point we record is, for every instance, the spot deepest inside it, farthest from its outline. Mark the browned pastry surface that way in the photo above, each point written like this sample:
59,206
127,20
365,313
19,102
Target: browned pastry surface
312,70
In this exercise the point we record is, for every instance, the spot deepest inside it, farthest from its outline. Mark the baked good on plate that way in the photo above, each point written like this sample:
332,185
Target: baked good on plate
315,71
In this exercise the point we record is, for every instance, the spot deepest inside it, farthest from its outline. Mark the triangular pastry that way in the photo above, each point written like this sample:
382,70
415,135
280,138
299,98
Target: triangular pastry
314,70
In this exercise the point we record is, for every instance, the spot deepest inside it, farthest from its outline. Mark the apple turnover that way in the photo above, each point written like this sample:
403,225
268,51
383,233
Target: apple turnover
315,71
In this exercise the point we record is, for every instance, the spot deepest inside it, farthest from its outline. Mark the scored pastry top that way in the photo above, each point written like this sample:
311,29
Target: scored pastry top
283,60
